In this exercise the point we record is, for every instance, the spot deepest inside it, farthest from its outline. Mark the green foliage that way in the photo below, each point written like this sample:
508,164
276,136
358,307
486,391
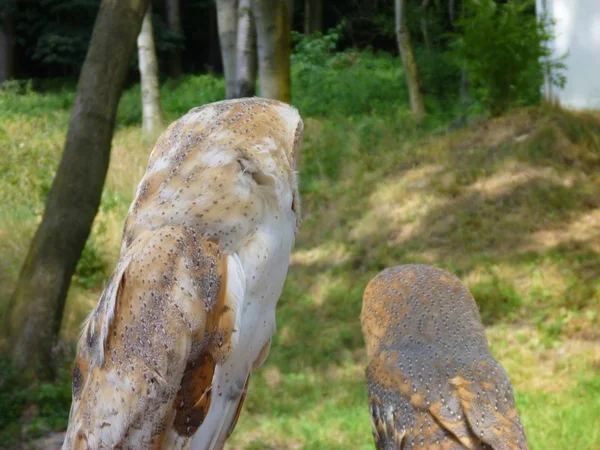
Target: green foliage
91,268
177,98
57,32
352,82
504,50
317,48
440,81
23,97
31,409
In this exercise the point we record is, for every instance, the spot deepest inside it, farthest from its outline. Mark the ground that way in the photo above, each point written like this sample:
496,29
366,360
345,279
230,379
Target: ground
511,205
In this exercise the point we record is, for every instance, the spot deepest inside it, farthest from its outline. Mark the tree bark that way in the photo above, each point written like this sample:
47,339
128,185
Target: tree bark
273,33
34,314
246,64
215,59
174,22
425,26
153,118
227,22
413,82
313,16
7,41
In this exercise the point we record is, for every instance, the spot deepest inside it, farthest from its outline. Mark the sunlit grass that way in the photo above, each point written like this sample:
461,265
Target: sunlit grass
511,207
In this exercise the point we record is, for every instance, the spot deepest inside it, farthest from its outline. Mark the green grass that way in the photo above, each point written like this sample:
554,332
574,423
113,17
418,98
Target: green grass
510,206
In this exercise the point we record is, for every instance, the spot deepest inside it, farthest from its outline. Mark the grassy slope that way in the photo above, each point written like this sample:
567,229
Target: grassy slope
512,207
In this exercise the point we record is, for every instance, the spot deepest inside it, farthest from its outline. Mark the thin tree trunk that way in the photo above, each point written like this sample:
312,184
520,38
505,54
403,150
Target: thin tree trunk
313,16
174,22
215,59
34,314
465,87
7,41
246,63
227,20
425,26
273,33
451,11
413,82
465,82
153,118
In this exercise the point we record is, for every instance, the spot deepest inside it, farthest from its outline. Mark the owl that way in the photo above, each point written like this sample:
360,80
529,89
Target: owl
431,379
165,358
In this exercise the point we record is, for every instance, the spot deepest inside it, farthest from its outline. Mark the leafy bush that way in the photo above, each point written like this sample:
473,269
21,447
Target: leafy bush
24,97
38,406
91,268
350,83
504,50
56,32
177,98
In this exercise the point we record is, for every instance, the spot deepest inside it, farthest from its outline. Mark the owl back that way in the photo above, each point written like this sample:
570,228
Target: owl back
432,380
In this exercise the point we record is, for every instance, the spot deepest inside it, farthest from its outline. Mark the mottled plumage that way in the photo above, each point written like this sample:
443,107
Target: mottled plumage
432,381
165,358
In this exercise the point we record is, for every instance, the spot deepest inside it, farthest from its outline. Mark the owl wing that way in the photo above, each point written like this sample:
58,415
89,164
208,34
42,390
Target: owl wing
413,409
486,408
146,358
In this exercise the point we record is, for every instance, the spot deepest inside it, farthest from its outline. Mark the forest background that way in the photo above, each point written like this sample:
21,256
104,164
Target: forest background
427,140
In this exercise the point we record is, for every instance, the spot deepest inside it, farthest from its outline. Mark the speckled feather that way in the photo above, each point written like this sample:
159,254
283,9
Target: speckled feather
432,381
165,358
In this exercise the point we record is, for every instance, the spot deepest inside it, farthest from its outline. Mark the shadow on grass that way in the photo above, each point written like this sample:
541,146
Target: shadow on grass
510,211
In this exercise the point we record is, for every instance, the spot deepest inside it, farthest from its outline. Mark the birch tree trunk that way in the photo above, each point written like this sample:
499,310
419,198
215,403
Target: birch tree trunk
227,22
153,118
413,82
246,64
313,16
7,41
174,22
273,37
33,318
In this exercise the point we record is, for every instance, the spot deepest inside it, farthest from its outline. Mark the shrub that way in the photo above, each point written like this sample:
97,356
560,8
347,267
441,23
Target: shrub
177,98
350,83
30,410
504,50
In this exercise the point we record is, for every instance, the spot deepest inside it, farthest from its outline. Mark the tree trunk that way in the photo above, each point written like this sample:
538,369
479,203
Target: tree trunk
7,41
174,23
273,33
465,83
313,16
227,20
425,26
153,118
246,64
417,102
215,59
34,314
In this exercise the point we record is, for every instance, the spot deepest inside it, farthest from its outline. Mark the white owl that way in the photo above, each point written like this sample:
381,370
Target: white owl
165,358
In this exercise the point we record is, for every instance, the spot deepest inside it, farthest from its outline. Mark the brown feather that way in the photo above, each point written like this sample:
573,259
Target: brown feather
181,323
432,381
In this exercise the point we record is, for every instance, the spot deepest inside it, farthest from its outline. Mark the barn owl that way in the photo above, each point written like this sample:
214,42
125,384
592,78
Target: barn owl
431,379
165,358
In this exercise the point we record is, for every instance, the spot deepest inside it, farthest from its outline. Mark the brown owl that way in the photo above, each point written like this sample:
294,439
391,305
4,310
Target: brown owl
432,381
165,358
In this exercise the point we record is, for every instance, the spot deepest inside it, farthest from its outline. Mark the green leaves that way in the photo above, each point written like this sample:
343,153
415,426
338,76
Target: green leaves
504,50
